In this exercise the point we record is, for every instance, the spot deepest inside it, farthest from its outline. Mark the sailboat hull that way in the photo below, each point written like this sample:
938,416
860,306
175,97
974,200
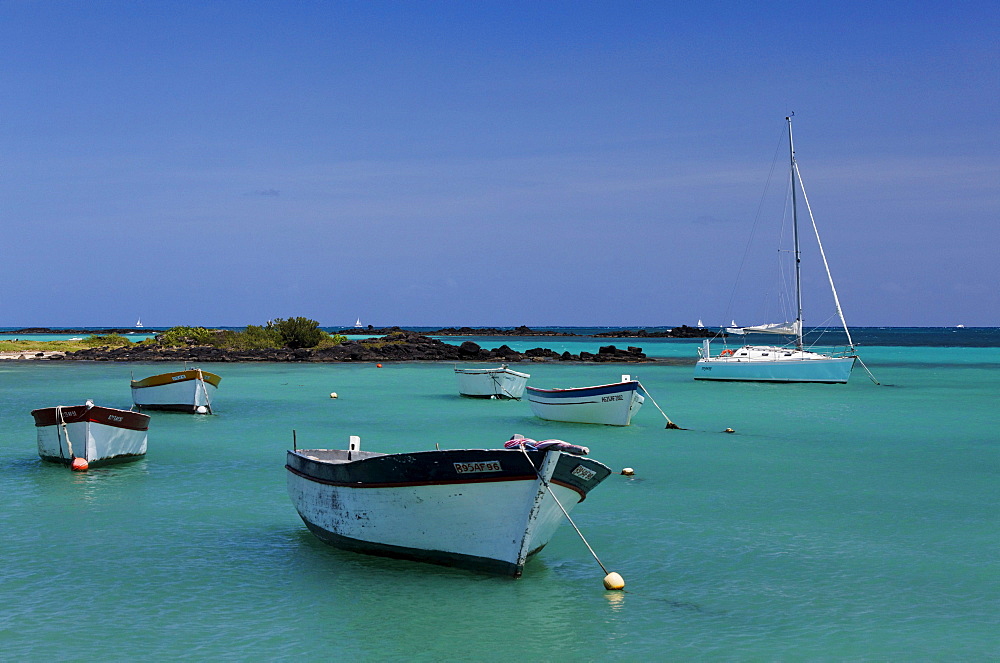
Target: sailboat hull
832,370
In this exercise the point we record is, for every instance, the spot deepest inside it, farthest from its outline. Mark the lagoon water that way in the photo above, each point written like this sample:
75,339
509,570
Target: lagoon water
839,521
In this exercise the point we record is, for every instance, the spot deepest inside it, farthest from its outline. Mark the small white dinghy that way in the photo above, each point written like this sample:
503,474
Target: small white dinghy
499,382
191,390
98,435
485,510
609,404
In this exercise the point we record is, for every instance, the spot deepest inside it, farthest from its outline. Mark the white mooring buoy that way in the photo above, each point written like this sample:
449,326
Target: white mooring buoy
614,581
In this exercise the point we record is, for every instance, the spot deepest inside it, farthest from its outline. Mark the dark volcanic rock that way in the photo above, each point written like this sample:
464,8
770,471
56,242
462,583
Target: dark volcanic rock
611,353
677,332
494,331
399,345
458,331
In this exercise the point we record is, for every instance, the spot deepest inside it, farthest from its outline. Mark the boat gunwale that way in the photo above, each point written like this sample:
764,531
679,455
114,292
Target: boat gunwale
487,371
612,387
161,379
516,474
140,421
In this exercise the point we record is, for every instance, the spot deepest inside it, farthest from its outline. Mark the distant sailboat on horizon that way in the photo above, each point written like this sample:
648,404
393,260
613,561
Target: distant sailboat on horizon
138,323
358,325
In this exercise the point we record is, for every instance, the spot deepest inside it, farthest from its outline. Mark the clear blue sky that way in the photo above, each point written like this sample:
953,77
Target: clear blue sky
488,163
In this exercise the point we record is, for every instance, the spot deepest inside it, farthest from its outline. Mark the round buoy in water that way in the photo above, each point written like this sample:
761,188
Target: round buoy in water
614,581
627,471
333,394
378,365
201,409
80,464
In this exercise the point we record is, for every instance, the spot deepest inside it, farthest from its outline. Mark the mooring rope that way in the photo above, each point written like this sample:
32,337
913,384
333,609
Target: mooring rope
870,376
562,508
62,423
204,388
670,425
498,382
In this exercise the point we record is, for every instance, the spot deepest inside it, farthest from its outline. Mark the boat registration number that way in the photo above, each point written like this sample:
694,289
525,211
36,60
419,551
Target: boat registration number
472,468
584,473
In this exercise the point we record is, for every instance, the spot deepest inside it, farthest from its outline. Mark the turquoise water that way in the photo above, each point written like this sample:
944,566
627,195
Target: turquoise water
838,522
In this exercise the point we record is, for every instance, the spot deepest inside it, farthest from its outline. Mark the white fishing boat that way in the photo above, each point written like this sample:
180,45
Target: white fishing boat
485,510
499,382
98,435
190,390
609,404
792,362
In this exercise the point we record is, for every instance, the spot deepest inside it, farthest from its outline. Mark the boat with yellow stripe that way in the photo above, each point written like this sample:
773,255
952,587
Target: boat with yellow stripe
191,390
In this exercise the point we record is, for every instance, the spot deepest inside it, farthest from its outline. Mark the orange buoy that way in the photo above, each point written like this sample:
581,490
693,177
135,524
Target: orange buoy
80,464
378,365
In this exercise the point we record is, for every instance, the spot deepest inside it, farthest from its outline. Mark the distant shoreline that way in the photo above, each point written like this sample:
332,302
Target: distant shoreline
682,331
398,346
60,330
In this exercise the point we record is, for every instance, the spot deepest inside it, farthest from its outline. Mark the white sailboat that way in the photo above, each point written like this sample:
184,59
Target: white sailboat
783,363
138,324
358,325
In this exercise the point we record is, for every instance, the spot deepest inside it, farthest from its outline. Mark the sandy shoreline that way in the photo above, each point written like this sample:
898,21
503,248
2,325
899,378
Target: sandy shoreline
29,355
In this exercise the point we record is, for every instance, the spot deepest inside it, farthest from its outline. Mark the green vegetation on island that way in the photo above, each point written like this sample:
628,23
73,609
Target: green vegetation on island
292,333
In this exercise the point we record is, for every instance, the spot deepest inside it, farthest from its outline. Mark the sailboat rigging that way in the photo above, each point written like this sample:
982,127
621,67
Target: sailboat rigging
793,362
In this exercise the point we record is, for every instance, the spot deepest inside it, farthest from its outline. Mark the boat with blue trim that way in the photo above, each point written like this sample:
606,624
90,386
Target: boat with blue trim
610,404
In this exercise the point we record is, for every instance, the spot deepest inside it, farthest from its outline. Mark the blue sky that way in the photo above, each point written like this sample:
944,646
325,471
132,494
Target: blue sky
490,163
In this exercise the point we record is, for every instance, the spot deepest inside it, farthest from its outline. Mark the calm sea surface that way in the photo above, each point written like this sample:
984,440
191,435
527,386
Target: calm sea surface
839,522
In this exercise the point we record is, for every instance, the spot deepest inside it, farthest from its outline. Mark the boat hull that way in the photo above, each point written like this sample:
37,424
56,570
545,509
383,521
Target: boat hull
609,404
179,391
100,435
491,382
819,368
481,510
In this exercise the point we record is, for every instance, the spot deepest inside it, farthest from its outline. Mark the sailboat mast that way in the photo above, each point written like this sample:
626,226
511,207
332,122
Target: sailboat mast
795,236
